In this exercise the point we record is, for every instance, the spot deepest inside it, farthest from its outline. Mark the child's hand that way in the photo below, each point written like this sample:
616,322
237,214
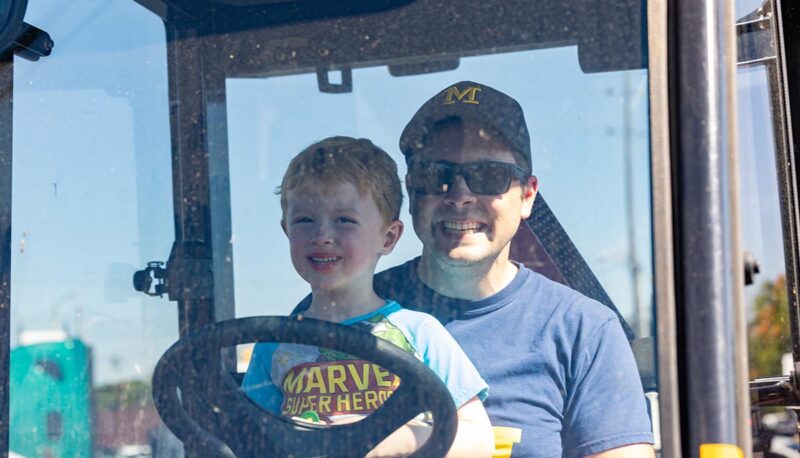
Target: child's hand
473,439
403,442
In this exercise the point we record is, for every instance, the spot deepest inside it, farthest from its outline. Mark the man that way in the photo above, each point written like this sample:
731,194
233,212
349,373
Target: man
562,379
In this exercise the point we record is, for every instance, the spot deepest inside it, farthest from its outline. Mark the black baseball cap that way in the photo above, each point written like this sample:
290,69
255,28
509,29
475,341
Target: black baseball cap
475,102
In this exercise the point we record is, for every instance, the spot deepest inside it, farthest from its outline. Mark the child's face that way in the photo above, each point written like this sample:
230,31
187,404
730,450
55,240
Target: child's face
336,236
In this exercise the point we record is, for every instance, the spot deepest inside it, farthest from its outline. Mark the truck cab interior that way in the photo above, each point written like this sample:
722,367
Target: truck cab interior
141,142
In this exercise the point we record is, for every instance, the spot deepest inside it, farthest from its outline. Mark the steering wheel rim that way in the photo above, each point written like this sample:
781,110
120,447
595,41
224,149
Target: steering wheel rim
223,414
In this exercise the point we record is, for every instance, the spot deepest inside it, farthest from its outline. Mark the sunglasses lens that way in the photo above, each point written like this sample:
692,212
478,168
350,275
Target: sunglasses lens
431,179
488,179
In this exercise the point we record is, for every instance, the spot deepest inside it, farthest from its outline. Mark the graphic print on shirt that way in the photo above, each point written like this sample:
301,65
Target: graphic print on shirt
504,439
330,383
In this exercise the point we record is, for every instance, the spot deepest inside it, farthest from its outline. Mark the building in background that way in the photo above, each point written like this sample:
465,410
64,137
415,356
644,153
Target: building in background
51,379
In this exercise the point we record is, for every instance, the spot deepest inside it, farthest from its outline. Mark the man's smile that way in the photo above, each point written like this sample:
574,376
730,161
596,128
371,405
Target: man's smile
460,228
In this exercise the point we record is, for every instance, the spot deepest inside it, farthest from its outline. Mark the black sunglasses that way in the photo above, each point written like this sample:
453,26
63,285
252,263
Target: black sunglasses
483,177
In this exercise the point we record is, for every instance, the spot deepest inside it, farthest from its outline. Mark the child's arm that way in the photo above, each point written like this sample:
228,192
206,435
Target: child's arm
474,437
258,384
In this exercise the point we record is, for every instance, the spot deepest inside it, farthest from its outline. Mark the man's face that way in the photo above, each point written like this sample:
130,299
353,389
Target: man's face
459,227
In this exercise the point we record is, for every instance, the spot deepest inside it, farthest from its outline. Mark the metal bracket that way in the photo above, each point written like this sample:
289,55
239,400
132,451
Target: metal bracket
31,43
775,391
143,279
755,36
189,271
323,81
751,268
187,275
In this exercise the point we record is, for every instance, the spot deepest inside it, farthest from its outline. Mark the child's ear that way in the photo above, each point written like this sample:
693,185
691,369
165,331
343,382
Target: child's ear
283,226
392,234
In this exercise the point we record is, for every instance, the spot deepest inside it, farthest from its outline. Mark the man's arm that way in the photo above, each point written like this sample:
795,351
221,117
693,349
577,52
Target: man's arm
474,437
627,451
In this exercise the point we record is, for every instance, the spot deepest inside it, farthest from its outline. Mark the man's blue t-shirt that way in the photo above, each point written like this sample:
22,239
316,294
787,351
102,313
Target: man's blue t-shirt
562,376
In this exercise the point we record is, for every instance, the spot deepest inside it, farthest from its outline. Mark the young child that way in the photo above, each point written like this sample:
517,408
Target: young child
341,202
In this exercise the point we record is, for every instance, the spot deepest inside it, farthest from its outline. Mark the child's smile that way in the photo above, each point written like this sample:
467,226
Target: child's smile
323,262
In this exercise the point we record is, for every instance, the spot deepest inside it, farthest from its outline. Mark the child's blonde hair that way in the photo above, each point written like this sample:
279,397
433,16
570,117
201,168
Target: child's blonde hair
337,160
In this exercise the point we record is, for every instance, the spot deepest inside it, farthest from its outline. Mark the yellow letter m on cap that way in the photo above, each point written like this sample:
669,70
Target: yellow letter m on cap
467,96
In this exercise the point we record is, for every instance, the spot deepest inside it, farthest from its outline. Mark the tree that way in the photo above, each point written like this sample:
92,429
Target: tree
769,335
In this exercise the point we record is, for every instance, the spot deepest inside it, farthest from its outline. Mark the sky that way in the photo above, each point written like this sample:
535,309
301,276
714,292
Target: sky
92,172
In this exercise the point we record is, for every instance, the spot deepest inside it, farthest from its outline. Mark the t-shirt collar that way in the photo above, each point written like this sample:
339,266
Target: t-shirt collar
470,307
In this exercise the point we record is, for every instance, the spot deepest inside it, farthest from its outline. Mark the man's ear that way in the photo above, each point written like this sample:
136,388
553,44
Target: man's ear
529,192
391,235
283,226
411,195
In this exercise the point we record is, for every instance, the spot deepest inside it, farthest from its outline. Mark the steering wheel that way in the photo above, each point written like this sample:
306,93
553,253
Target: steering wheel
213,412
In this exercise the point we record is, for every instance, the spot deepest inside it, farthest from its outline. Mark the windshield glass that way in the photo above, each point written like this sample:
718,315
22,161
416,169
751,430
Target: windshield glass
157,133
589,150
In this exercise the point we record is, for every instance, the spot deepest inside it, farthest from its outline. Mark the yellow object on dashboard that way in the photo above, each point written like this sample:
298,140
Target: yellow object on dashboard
720,451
